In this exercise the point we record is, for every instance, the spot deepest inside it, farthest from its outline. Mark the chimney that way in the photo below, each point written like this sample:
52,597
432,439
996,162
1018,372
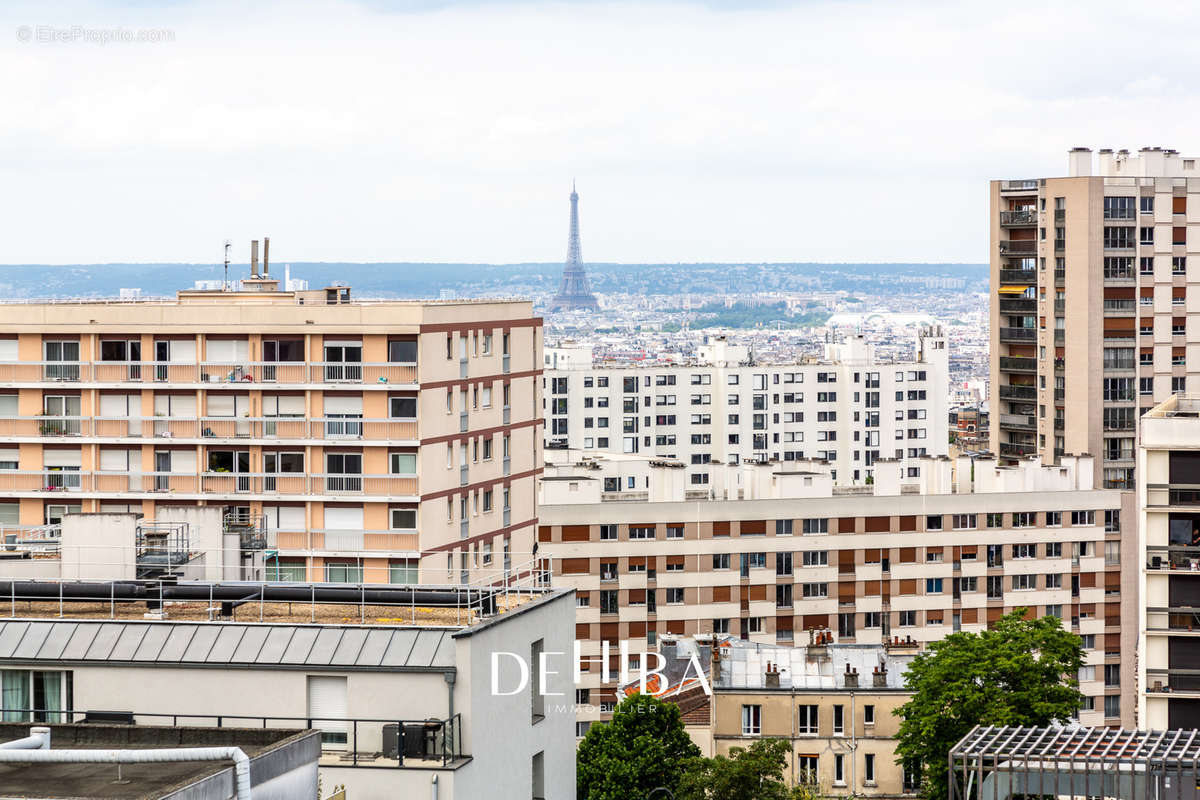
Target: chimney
771,676
879,677
1079,162
254,258
266,256
851,678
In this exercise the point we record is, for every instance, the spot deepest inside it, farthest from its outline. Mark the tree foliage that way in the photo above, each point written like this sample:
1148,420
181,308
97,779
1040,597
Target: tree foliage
642,748
748,773
1020,672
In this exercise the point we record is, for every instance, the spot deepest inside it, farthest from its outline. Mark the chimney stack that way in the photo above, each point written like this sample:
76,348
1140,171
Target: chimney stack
266,256
254,258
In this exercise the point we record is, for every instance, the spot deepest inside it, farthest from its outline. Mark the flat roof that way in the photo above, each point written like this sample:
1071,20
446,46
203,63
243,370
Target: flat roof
139,781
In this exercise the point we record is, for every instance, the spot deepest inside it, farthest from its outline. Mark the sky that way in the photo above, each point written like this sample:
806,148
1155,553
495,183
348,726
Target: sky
443,131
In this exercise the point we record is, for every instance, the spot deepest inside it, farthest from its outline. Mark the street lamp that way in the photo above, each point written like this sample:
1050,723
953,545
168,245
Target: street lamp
660,789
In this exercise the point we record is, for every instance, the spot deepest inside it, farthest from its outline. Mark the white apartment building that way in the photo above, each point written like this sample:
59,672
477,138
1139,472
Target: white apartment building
774,551
848,409
1168,655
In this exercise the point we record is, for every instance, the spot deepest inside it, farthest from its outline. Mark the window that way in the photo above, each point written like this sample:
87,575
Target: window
608,533
1024,551
783,563
1053,549
806,719
1112,705
641,532
908,619
872,619
1024,519
403,572
343,572
869,768
813,526
720,561
608,601
1024,583
964,521
1118,238
933,585
995,520
43,693
811,590
869,714
1083,517
783,595
751,720
839,769
675,595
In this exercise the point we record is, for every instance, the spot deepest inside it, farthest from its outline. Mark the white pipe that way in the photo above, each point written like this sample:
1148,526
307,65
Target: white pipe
38,739
241,762
433,792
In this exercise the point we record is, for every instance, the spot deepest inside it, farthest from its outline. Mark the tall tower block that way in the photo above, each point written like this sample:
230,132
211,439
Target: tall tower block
574,293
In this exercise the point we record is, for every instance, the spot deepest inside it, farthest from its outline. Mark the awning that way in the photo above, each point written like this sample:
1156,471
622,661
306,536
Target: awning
1012,289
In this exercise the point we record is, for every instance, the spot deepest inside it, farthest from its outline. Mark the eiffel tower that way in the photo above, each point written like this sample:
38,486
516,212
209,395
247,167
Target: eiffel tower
574,292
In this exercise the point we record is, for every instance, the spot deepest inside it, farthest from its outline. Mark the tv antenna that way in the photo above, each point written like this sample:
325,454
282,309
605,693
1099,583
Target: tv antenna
225,283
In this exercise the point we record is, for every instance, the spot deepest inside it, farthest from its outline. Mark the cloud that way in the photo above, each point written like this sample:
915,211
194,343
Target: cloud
450,131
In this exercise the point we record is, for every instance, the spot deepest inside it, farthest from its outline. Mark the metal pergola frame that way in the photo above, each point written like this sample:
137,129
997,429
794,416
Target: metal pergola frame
998,763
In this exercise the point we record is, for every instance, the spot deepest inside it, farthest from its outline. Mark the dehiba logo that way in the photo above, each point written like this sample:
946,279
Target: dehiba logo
693,673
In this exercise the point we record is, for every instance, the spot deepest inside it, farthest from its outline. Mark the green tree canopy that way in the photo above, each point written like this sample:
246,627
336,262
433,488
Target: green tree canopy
642,748
1020,672
748,773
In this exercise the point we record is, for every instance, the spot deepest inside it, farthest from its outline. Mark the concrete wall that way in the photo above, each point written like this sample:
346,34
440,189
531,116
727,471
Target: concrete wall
501,730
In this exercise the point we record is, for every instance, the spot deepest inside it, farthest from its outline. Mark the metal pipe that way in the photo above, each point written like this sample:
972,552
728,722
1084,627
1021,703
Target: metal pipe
38,739
433,790
241,762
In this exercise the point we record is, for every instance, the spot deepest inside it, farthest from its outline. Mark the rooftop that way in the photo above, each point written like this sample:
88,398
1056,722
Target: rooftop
743,665
140,781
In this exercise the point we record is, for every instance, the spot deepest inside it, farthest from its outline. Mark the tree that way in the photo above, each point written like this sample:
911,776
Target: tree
753,773
642,748
1020,672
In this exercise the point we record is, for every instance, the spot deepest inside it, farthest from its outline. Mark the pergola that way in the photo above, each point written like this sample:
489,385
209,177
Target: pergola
999,763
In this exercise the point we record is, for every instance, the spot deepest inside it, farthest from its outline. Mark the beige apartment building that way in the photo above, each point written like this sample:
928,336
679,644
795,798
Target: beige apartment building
373,440
1169,566
770,552
833,703
1094,304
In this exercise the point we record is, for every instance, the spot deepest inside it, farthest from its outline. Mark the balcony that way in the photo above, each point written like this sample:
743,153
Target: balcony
230,484
1019,335
1060,424
1018,364
1024,185
1017,305
1060,277
1119,307
208,372
1019,217
1017,450
1018,422
1012,392
1060,215
506,364
322,540
1018,247
1019,277
1124,454
212,428
1060,245
1060,307
1060,336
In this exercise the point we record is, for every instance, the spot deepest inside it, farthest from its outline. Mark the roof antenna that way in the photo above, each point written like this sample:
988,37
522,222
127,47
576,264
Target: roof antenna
225,283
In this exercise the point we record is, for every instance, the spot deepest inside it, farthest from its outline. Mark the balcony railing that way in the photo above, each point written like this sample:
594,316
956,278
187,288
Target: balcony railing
281,428
1020,216
346,741
1008,392
1023,277
395,541
1022,421
1015,305
1018,247
1018,364
207,372
1060,245
1123,305
1008,449
1024,185
1018,334
53,481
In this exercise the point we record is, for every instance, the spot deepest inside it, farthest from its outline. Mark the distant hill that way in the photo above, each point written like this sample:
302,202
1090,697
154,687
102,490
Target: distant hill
425,280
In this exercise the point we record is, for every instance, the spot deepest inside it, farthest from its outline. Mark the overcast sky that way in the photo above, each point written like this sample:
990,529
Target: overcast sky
450,131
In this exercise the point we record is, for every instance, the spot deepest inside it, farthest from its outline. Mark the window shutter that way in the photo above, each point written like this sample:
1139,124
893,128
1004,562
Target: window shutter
327,702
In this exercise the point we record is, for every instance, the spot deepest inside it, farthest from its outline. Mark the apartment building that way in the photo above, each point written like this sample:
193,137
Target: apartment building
1169,565
777,550
377,440
832,702
849,409
1094,306
404,709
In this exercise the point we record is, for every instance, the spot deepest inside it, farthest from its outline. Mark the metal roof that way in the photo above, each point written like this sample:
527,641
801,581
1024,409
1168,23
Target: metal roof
227,644
1077,744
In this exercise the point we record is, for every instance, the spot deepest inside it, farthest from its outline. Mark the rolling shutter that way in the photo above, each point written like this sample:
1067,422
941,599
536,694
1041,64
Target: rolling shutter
226,350
10,513
344,518
8,350
285,518
283,405
62,458
343,404
8,405
327,703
